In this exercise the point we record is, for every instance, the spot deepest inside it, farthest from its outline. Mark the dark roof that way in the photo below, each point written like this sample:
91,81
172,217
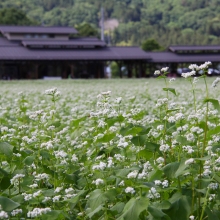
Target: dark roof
72,42
37,30
174,48
6,43
169,57
106,53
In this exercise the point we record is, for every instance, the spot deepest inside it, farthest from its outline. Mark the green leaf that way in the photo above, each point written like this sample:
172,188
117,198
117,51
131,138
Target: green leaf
217,177
6,149
106,138
170,169
145,154
134,131
215,103
182,140
180,207
170,90
5,182
139,140
96,199
111,194
155,175
76,198
211,215
53,215
133,208
203,158
152,146
181,168
173,110
3,172
118,207
91,214
163,205
214,131
29,160
7,204
216,147
157,213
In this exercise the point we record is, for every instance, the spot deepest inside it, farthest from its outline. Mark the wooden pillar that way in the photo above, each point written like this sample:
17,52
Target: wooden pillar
141,69
35,75
119,67
129,68
71,72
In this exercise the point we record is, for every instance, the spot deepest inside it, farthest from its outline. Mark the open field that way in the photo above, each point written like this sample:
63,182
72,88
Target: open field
110,149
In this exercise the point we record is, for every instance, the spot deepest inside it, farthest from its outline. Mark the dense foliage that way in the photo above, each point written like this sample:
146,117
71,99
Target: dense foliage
9,16
167,21
93,150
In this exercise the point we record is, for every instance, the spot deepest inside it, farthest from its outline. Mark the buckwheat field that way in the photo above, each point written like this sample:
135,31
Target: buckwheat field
125,149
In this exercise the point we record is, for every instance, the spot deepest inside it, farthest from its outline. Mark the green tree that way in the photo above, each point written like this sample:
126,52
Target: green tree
151,45
86,30
13,16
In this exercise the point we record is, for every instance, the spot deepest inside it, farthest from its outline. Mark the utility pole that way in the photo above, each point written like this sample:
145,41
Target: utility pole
102,24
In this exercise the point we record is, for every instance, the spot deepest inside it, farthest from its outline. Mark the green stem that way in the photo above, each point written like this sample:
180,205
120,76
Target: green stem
204,204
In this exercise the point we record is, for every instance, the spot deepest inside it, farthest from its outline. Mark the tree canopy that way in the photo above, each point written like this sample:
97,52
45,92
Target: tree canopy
13,16
166,21
151,45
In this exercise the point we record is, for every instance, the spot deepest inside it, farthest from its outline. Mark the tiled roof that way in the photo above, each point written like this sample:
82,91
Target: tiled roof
72,42
169,57
107,53
175,48
37,30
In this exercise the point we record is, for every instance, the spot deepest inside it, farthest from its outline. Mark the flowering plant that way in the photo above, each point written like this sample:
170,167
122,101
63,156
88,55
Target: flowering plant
80,153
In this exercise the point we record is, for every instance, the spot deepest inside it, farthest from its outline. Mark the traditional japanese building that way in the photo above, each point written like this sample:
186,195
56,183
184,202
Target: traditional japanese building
180,56
28,52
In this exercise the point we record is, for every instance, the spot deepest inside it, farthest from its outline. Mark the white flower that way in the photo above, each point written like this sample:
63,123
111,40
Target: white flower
58,189
50,91
189,161
160,160
153,194
3,215
164,69
118,100
98,182
213,186
122,183
41,176
133,174
172,80
16,179
130,190
74,158
36,194
195,80
106,93
191,217
100,166
69,190
37,212
205,65
164,148
33,186
157,72
157,182
165,183
194,67
216,81
186,75
56,198
15,212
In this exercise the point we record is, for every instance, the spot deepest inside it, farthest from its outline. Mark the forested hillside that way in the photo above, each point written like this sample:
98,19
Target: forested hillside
167,21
